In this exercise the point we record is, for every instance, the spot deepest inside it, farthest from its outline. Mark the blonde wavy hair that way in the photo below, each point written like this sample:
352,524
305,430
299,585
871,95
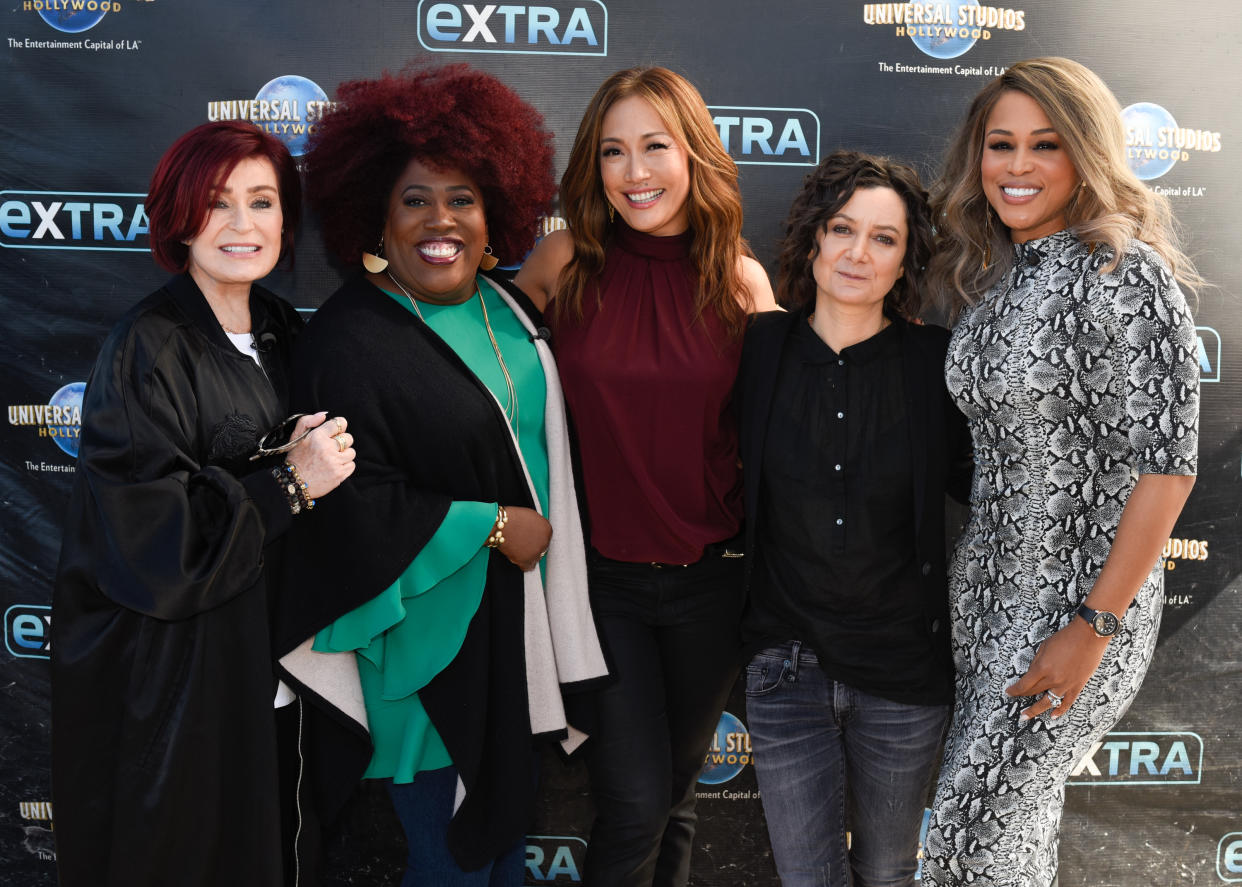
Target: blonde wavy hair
973,250
714,204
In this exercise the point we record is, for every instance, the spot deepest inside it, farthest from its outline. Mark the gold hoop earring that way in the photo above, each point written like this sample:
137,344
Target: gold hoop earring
375,262
488,261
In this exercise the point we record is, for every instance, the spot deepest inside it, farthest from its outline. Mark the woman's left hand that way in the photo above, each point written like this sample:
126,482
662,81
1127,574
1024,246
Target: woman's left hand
1063,664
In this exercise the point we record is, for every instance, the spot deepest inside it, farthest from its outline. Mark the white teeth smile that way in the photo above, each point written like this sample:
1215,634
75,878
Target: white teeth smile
441,249
644,196
1021,192
240,249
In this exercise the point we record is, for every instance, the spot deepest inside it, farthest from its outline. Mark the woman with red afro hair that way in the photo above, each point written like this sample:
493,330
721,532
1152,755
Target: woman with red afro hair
456,560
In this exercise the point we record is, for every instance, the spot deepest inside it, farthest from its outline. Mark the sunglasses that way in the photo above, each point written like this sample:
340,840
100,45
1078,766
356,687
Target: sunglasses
277,440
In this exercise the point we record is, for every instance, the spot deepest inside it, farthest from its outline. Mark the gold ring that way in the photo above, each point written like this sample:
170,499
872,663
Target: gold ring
342,446
339,424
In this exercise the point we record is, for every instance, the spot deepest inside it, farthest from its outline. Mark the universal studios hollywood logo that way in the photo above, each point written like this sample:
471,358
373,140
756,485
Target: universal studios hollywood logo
946,29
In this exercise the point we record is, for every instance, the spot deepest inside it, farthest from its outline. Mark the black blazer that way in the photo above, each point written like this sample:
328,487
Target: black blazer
940,441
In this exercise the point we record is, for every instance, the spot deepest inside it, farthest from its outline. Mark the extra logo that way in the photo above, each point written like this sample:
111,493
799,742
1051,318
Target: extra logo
28,632
555,859
728,753
1154,141
556,27
1229,858
1141,759
87,220
60,418
1209,354
71,16
946,29
768,136
287,106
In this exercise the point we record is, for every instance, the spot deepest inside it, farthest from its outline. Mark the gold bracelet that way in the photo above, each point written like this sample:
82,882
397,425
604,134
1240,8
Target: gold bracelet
496,537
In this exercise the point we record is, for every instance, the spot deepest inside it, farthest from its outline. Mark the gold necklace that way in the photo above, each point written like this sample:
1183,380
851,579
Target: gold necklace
511,411
512,391
413,304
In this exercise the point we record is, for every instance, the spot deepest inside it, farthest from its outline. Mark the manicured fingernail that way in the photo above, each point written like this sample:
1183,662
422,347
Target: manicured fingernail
1012,683
1022,719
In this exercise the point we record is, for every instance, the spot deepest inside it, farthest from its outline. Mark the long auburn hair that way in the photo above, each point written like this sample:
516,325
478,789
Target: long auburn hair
973,246
714,204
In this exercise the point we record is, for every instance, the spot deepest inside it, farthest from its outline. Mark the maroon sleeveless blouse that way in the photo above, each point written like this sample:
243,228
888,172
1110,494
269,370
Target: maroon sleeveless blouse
650,390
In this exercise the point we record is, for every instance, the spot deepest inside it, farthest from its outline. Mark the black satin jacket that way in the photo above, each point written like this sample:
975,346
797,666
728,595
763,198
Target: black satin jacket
164,753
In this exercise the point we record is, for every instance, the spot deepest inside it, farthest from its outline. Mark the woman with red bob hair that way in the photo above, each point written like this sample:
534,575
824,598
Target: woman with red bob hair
165,695
464,592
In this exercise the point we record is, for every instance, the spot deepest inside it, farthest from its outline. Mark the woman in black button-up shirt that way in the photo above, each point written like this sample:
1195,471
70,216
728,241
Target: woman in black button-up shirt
850,445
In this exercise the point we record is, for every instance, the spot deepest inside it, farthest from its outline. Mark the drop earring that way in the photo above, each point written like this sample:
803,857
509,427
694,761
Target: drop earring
612,213
488,261
375,262
987,239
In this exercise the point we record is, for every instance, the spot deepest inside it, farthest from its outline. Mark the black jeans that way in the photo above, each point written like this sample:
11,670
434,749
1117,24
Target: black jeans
672,635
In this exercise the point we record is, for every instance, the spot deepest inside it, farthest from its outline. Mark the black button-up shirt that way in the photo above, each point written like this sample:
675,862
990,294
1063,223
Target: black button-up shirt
837,565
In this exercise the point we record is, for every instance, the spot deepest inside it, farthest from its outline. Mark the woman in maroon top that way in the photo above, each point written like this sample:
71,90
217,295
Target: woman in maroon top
648,292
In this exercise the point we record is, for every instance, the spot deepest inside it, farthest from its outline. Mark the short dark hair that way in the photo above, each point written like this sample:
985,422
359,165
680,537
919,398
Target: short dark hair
451,118
185,178
824,191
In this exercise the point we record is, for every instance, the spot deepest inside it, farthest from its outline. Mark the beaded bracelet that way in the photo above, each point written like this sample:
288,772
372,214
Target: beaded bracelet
289,488
496,537
307,502
294,487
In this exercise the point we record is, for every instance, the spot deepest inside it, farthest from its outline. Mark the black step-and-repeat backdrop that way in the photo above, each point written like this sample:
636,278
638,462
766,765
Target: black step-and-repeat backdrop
94,90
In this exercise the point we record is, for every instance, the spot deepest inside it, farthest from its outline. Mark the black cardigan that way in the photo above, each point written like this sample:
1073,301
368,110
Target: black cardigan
427,432
940,443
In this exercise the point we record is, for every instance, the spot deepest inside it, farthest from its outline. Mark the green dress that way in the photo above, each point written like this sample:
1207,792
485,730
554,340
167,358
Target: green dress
411,631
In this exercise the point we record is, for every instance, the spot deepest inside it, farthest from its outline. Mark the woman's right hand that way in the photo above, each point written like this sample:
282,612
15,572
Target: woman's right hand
326,456
527,536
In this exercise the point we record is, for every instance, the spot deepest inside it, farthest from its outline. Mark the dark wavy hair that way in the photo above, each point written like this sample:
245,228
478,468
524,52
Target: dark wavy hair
186,177
451,118
824,191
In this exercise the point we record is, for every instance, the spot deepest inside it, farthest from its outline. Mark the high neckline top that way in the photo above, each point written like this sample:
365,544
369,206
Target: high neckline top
649,382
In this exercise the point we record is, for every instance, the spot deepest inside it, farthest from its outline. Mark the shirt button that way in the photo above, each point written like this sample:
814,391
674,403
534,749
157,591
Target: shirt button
836,468
840,415
840,521
926,568
840,363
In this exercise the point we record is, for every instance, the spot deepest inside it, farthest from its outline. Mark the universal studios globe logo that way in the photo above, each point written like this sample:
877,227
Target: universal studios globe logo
287,106
1154,141
60,418
945,42
72,16
944,29
729,751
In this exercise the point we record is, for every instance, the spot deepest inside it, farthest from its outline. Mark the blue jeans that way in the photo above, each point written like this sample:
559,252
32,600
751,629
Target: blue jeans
425,807
832,759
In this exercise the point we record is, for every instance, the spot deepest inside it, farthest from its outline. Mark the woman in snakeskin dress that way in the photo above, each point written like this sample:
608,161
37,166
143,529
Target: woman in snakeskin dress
1073,358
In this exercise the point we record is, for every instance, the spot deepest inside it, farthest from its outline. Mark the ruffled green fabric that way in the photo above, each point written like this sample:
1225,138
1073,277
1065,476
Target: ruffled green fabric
411,631
408,633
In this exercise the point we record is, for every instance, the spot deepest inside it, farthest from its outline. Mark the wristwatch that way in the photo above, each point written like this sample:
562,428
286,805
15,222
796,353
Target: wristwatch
1102,622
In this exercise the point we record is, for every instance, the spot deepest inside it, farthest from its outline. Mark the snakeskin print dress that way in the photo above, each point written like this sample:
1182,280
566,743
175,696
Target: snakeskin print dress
1074,384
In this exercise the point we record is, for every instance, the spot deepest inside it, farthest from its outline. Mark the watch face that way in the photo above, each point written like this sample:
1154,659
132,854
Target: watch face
1105,624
